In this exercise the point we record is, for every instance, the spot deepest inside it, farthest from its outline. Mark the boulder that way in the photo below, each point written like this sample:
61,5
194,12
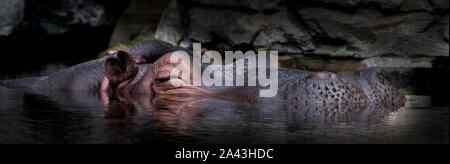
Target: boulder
238,30
416,5
439,5
381,4
61,16
260,5
355,28
11,15
444,26
58,27
171,28
369,33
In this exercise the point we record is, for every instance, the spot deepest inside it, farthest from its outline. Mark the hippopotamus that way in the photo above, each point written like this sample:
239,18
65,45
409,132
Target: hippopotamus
141,72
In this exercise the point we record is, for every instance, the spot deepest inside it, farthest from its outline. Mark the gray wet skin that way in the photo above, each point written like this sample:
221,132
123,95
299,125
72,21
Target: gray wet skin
304,87
128,77
88,76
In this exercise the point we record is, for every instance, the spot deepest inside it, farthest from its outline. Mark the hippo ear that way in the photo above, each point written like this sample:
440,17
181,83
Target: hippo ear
121,68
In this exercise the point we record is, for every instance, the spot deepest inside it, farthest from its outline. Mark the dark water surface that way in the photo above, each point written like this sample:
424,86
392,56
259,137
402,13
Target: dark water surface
28,116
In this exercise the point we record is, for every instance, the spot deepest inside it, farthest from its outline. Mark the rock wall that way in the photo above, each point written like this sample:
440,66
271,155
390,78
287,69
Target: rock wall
335,28
60,16
58,27
11,15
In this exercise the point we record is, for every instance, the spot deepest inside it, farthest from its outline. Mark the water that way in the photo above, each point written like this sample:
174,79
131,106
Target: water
29,116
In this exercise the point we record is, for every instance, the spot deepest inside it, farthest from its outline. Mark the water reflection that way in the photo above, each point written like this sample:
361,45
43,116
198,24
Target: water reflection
29,116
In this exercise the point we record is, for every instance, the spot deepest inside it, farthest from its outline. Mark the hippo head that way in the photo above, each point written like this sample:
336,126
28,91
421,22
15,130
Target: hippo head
125,79
120,70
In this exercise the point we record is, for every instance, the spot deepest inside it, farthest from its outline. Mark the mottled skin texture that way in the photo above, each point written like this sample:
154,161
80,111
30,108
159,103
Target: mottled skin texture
125,75
304,87
359,87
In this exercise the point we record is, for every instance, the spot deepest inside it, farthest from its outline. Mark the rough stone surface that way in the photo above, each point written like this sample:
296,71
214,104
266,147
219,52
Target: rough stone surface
261,5
416,5
171,26
55,26
59,16
369,33
439,5
444,26
11,15
389,62
382,4
352,28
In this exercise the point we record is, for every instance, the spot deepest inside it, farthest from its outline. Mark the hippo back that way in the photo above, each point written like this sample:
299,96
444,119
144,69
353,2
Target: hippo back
82,77
361,87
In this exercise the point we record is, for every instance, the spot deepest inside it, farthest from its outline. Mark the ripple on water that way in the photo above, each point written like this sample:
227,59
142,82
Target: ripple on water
30,117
